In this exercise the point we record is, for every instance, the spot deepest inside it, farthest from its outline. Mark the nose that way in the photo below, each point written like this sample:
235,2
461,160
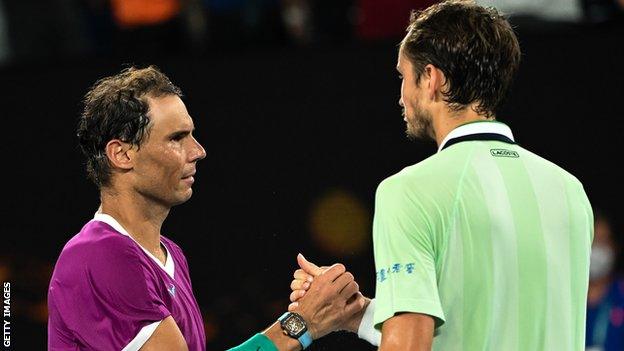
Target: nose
198,152
401,102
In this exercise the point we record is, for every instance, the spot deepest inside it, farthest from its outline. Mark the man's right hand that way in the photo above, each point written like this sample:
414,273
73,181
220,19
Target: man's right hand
307,277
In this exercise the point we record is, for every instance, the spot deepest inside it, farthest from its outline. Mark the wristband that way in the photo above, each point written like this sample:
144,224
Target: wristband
366,330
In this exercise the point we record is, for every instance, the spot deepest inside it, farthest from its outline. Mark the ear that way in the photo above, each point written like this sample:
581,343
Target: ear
435,81
120,154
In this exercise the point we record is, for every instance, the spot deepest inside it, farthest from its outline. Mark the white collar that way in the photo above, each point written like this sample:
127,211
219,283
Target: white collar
478,127
168,267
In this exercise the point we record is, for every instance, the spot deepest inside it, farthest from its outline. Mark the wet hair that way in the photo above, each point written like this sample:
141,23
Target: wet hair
475,48
116,107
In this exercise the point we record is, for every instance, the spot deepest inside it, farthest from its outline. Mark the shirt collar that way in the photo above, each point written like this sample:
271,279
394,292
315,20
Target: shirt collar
168,267
491,127
108,219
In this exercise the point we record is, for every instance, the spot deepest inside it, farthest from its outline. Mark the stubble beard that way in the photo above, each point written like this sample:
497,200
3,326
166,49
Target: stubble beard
419,126
162,196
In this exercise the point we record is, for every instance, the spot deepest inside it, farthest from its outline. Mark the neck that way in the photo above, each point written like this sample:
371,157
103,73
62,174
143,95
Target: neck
140,216
445,121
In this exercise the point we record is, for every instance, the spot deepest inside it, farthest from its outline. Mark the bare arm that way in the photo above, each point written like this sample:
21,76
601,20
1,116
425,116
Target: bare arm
166,337
407,331
282,341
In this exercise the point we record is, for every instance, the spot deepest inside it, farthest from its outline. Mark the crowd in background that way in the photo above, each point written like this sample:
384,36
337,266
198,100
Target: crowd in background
605,301
57,29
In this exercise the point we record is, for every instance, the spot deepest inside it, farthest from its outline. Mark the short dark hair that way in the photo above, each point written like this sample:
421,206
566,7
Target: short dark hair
116,107
475,47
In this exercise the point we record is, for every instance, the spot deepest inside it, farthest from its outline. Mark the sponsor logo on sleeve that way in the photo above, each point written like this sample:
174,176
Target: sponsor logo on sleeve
404,269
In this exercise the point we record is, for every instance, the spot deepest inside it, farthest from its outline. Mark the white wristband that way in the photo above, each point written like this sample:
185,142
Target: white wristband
366,330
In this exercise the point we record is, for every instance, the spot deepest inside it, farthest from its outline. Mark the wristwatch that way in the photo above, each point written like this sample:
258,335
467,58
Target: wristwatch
295,326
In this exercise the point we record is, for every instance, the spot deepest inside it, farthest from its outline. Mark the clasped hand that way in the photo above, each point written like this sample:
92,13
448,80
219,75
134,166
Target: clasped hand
328,298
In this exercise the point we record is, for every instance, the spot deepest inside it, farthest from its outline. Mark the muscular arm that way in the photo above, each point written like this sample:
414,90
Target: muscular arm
407,331
166,337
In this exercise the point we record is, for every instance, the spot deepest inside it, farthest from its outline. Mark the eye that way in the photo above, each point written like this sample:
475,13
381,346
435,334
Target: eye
178,137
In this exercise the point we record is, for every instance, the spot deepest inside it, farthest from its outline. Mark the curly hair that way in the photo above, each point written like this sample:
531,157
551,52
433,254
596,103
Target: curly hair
475,48
116,107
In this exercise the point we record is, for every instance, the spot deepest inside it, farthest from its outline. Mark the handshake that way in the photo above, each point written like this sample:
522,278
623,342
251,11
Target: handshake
328,298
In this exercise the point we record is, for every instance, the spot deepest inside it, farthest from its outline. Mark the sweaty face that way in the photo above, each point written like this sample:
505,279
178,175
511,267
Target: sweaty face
418,119
165,163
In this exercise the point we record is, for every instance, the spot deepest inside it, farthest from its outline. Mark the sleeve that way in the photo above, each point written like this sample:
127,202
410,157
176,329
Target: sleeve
258,342
404,254
58,337
118,302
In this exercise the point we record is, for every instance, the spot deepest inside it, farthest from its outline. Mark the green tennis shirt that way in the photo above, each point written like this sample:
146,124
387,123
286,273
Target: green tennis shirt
491,240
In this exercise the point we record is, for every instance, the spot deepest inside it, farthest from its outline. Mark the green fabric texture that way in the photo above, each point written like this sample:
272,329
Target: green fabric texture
258,342
493,244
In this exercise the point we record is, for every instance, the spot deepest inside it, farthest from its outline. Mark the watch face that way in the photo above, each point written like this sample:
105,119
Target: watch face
294,325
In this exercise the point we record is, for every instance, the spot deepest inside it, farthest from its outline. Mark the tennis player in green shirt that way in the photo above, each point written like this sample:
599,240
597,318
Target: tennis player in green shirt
484,245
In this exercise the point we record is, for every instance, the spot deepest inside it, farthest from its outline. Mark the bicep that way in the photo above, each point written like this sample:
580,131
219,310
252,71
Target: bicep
166,337
407,331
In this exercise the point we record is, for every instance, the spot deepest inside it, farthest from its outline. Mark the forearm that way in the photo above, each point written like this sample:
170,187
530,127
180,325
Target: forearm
272,339
281,341
400,344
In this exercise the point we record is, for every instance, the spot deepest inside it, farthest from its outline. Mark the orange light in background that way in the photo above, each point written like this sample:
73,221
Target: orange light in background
340,223
5,270
38,312
133,13
211,327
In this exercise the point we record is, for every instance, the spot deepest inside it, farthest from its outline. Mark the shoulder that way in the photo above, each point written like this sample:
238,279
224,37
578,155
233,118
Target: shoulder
553,169
98,242
420,181
99,253
404,178
102,264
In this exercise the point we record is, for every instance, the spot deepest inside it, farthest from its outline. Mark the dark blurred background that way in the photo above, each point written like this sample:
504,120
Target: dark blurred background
295,102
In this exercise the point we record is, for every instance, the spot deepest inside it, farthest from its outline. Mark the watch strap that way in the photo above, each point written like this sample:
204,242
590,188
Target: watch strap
305,339
282,317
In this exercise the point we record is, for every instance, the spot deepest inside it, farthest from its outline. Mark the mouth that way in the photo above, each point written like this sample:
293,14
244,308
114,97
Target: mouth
189,178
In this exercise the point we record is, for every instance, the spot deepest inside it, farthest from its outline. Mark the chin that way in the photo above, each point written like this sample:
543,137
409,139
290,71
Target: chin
414,132
419,128
182,198
187,196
